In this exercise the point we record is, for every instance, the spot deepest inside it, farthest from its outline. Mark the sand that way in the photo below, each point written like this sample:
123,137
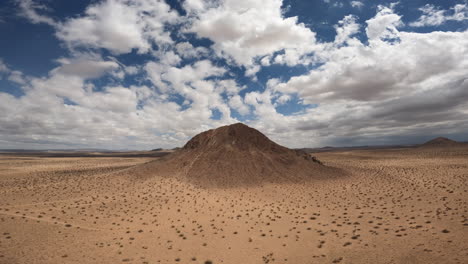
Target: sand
394,206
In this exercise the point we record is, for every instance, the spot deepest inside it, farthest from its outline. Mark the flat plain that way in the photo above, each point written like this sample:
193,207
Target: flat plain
406,205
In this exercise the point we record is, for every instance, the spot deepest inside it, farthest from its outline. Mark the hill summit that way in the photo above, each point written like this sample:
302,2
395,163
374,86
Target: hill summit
440,142
237,155
238,137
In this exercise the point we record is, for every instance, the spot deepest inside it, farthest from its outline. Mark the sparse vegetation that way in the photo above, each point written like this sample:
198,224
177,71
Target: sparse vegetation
111,210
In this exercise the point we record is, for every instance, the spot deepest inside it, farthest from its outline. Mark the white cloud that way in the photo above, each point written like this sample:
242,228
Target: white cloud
433,16
64,110
29,9
357,4
120,26
196,5
86,69
396,83
229,86
384,25
199,86
334,3
132,70
238,104
168,57
3,66
346,28
188,51
383,70
162,74
14,76
17,77
245,30
283,99
380,89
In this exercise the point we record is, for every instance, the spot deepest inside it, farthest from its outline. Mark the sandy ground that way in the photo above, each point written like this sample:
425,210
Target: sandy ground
395,206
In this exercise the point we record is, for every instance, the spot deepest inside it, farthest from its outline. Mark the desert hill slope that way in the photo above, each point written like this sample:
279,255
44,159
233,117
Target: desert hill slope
441,142
236,155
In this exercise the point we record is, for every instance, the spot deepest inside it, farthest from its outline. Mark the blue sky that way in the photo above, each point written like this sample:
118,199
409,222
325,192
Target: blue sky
127,74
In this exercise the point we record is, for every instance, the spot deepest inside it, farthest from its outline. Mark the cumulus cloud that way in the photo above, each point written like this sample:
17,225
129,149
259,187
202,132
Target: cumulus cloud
3,66
383,86
357,4
31,10
384,24
64,110
14,76
188,51
433,16
86,69
334,3
346,28
245,30
120,26
356,90
195,84
17,77
162,74
131,70
236,102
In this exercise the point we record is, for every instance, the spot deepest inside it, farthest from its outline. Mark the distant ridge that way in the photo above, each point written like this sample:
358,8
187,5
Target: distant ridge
236,155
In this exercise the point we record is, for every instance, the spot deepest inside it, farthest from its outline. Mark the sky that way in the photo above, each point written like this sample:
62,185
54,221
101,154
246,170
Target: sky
144,74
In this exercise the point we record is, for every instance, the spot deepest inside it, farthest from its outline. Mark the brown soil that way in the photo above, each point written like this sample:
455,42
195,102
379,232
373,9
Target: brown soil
441,142
237,155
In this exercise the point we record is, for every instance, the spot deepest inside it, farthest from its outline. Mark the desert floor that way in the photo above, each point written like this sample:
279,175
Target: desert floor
395,206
